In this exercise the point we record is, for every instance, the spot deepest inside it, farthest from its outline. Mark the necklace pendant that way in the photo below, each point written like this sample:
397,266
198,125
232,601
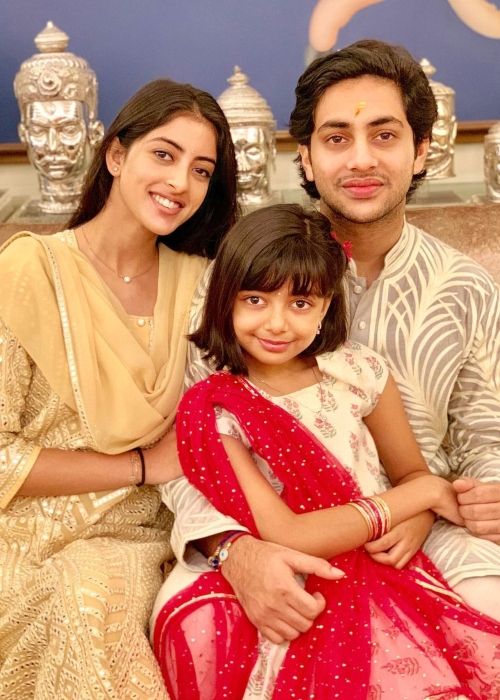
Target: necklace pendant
126,278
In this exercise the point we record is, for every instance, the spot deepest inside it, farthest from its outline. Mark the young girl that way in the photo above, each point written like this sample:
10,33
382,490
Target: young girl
288,442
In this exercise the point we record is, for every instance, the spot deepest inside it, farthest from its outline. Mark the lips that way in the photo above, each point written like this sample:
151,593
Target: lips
362,188
273,345
167,202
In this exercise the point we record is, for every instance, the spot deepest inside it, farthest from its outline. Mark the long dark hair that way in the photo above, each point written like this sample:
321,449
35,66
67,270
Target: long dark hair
152,106
365,57
262,251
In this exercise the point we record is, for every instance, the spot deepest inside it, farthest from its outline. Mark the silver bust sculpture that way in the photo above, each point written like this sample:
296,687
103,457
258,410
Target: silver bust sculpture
253,130
57,96
439,161
492,162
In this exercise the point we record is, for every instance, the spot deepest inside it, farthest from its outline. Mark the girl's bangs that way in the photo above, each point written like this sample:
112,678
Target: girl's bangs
277,265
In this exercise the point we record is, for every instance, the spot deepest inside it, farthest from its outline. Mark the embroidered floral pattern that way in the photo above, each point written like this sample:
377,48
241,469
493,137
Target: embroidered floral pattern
408,666
375,364
324,426
292,407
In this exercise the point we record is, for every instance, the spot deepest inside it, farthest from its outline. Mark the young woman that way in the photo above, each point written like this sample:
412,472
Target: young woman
92,358
288,443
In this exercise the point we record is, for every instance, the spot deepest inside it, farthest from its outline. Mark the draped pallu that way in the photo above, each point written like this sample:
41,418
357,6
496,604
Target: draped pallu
384,633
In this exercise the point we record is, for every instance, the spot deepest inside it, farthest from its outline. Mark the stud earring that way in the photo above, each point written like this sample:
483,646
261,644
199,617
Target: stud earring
319,328
115,168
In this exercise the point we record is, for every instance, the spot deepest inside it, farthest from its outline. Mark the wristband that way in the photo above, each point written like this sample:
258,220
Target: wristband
135,467
143,466
221,552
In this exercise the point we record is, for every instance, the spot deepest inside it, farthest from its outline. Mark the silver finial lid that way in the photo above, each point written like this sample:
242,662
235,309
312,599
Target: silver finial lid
242,104
51,39
55,74
437,88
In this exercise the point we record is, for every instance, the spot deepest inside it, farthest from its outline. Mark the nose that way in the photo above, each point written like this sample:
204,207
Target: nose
362,156
276,319
177,178
52,140
242,161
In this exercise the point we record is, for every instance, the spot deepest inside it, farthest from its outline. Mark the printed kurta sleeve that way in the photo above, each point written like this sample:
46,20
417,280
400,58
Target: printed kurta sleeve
17,455
195,517
473,439
374,375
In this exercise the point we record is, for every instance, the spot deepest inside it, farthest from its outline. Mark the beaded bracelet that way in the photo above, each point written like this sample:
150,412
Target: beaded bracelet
376,514
221,552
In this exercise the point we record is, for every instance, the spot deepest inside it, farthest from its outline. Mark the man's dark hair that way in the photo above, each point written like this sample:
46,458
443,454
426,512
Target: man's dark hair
264,250
366,57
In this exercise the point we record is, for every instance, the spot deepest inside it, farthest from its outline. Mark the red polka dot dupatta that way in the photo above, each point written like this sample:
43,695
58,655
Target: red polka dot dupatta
384,633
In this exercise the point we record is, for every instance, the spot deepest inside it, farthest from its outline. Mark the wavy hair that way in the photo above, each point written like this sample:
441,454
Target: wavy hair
366,57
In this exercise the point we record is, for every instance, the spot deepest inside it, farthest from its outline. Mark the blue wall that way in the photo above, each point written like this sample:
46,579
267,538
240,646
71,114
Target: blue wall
128,42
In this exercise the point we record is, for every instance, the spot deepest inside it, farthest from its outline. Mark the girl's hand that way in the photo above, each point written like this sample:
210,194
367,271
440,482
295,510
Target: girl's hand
397,547
162,460
445,501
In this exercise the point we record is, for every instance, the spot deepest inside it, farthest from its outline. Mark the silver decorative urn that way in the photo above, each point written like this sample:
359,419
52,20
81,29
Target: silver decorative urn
57,96
439,161
253,130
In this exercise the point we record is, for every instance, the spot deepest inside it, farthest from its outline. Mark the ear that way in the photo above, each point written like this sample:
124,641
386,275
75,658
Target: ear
305,159
115,157
420,156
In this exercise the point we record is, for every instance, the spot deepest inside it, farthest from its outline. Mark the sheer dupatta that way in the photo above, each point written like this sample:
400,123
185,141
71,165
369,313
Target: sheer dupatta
384,633
82,340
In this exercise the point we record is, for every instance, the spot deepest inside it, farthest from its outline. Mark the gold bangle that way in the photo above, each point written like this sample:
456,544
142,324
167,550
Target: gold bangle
135,467
387,517
366,518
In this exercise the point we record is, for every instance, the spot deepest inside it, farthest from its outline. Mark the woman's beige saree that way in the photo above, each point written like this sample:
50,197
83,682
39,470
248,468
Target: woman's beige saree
78,574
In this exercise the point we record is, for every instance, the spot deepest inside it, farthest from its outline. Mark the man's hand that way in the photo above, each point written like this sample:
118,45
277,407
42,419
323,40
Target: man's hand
479,506
397,547
263,576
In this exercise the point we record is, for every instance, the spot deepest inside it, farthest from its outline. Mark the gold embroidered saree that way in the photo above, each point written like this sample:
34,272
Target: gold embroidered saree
78,574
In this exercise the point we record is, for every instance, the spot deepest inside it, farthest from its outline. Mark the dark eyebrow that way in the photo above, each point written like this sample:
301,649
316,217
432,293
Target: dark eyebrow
179,148
380,121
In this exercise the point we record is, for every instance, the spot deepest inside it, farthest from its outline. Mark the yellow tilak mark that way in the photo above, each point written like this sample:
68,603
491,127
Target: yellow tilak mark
360,106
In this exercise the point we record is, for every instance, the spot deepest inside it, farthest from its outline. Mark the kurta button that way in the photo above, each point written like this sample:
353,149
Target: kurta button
362,325
141,322
357,289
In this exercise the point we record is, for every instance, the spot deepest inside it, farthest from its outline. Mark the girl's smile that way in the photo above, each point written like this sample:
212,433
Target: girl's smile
274,327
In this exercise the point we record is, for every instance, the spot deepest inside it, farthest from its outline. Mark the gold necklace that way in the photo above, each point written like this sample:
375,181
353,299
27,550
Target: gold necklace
124,278
319,381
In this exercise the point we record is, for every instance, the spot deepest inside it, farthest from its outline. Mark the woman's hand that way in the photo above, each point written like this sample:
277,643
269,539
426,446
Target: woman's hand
162,460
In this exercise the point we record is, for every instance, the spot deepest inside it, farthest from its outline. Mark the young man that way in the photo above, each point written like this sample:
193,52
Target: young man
363,120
